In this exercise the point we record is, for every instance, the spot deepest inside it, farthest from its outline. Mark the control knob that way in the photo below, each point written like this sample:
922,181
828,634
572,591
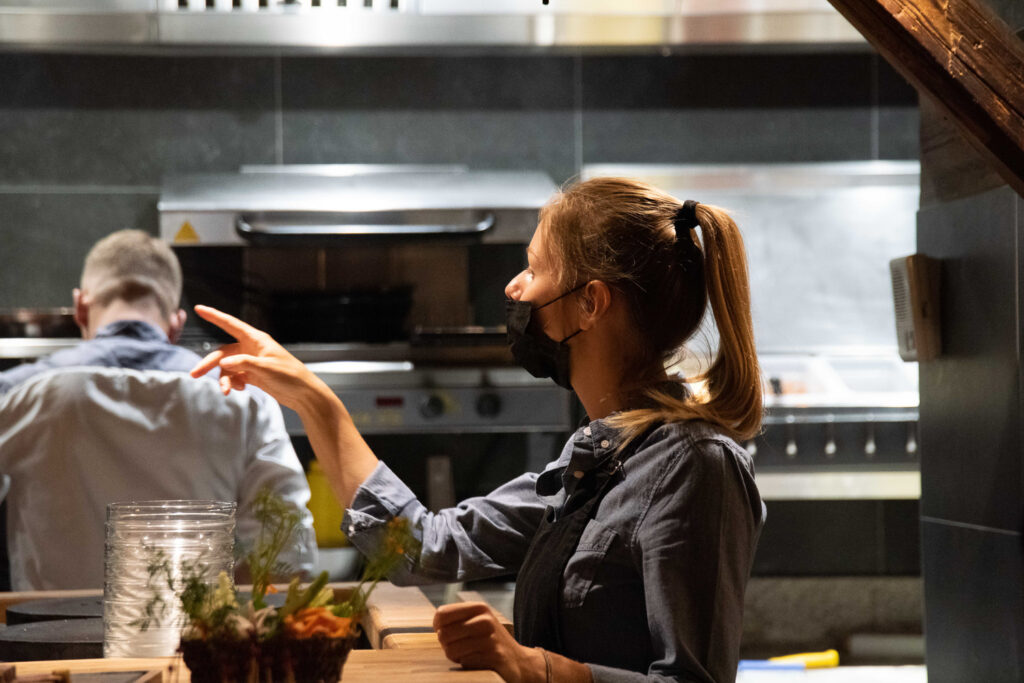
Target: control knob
488,405
432,406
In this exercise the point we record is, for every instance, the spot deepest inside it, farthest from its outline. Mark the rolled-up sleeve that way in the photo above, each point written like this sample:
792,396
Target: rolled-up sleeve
481,537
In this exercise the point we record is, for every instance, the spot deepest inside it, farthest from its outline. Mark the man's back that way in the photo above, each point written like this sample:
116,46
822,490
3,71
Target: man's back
74,439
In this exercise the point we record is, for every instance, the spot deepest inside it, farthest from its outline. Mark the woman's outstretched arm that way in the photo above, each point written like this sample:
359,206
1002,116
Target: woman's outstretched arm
255,358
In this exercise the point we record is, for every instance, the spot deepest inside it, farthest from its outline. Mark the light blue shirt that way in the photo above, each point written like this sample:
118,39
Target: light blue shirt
118,418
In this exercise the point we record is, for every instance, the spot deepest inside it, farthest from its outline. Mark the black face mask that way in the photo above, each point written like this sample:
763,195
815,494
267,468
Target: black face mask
537,353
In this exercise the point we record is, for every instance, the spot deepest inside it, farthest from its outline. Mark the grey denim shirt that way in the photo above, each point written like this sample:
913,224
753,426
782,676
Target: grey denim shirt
654,591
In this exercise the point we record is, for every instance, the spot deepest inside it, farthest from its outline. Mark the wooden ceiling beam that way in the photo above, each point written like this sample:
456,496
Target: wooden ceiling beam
961,54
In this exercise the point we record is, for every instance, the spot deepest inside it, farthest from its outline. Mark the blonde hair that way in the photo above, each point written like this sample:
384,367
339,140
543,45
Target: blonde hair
622,232
130,265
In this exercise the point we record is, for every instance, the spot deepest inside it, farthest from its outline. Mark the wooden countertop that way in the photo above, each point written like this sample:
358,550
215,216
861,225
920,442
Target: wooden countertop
363,666
398,626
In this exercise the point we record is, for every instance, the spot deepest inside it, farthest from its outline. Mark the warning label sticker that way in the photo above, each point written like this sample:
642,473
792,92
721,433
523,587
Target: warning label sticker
186,234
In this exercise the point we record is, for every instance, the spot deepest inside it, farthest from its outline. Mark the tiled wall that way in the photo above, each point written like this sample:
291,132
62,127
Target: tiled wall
971,442
86,139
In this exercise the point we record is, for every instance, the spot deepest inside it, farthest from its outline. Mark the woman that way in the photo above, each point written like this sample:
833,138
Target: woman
633,549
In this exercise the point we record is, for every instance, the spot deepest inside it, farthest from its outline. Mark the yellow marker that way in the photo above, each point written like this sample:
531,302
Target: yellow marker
811,660
186,234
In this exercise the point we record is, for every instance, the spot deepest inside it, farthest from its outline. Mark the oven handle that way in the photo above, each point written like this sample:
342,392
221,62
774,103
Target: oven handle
285,231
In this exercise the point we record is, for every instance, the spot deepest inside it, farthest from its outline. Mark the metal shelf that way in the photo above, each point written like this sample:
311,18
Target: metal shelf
837,484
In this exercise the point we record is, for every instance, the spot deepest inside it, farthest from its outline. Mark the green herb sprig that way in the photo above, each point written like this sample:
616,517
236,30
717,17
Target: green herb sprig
214,612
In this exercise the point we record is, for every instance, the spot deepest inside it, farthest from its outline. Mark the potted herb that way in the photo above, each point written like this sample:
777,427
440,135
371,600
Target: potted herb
304,640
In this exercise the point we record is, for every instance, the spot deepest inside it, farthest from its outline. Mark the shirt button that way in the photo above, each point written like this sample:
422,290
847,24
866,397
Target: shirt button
578,474
586,430
604,444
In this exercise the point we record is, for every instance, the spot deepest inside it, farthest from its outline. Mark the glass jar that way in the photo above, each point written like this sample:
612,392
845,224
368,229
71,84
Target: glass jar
148,545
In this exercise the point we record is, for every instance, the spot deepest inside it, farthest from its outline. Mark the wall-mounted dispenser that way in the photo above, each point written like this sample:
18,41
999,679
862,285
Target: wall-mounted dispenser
915,290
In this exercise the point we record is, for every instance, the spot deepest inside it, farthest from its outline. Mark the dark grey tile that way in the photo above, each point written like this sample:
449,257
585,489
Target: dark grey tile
726,108
893,88
970,412
901,534
482,140
728,81
128,120
45,238
488,112
821,538
899,133
973,603
899,122
840,538
726,136
416,83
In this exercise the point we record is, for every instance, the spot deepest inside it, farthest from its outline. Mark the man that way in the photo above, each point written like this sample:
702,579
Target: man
117,418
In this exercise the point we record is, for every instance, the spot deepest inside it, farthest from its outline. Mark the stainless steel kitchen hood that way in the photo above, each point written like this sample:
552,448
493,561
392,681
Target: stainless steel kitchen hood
387,26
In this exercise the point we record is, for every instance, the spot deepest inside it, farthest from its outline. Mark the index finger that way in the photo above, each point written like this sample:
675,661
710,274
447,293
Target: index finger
229,323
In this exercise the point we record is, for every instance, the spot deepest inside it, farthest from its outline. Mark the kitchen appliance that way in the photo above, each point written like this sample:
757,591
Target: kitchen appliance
387,281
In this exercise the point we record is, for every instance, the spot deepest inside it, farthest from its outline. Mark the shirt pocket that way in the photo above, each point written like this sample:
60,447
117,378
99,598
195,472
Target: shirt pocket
584,563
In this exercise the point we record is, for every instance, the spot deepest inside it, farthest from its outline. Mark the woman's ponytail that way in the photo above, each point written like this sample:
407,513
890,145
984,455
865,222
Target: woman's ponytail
733,382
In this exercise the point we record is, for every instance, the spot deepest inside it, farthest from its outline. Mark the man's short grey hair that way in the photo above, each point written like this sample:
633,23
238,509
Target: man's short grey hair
131,265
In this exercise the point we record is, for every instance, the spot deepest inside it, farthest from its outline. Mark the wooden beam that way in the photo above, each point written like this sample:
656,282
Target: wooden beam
965,58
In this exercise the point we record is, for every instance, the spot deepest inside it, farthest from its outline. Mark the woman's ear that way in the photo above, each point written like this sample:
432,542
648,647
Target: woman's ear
597,299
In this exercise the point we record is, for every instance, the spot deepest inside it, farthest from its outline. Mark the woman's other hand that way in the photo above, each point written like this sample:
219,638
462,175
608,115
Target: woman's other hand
473,636
254,358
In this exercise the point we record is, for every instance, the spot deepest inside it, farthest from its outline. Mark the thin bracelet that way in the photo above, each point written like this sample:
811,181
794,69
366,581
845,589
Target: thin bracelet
547,665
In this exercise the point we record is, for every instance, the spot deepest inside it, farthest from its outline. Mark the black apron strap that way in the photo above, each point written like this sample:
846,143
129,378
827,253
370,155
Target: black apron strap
538,594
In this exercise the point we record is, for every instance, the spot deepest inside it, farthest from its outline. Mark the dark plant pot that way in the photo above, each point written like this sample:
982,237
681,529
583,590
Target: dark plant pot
308,660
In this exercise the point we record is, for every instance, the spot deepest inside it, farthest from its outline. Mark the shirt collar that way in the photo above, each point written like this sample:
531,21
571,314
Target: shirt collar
588,448
134,329
591,446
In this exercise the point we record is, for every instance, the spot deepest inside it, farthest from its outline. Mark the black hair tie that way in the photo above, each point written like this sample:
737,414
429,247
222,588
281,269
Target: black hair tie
685,221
